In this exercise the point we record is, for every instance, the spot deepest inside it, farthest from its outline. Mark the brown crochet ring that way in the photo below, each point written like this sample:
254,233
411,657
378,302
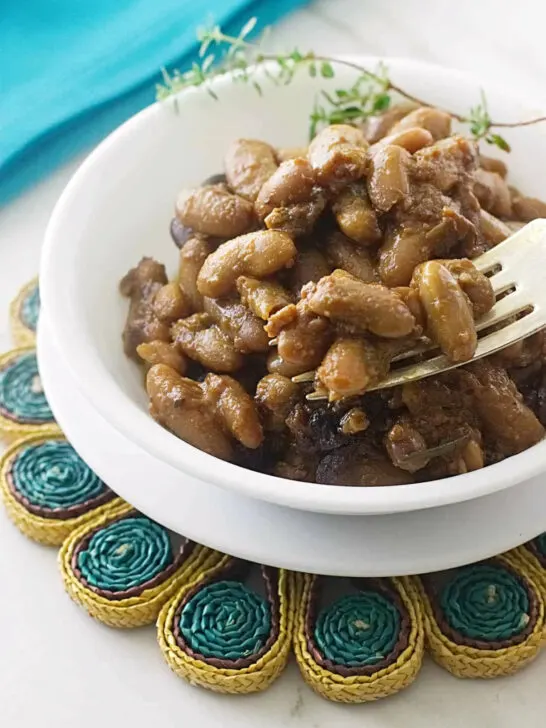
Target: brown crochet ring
223,635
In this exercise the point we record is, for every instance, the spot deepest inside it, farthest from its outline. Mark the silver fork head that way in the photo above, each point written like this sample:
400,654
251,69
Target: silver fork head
517,268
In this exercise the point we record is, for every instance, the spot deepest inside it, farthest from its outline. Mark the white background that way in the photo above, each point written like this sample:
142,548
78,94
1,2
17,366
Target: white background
59,668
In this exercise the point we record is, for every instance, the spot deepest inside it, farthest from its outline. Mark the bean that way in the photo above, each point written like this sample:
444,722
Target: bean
286,153
477,287
490,164
493,193
249,163
234,409
171,303
344,254
404,247
356,216
192,256
338,155
310,266
343,298
258,254
161,352
177,404
213,210
449,315
446,163
435,121
388,180
263,298
493,230
291,183
351,366
277,365
275,397
378,126
411,139
528,208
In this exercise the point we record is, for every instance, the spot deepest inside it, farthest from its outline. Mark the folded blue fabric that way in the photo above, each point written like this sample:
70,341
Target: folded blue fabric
71,71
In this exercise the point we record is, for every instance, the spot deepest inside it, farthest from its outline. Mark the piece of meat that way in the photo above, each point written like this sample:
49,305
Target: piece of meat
249,163
303,337
141,284
511,425
356,465
298,219
239,323
202,340
263,298
445,163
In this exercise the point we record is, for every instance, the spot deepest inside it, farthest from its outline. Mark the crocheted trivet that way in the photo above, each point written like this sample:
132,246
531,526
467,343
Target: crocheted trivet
219,633
484,620
23,406
24,312
47,489
122,567
366,645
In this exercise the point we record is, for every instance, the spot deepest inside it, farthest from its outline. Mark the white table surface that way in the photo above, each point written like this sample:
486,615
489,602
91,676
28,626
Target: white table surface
60,669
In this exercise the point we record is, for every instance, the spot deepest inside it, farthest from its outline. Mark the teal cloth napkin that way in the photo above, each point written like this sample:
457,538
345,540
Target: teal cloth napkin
73,70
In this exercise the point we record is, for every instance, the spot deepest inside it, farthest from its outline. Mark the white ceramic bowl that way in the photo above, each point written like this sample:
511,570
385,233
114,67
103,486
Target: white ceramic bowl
117,208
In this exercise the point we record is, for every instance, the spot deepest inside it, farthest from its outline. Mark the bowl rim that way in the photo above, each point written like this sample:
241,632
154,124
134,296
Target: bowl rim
127,417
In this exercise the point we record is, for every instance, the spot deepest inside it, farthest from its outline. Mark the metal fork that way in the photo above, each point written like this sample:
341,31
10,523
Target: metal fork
517,268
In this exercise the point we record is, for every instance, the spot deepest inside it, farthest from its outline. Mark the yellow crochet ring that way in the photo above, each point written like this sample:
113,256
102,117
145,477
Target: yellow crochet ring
24,409
122,568
485,620
24,314
533,558
367,645
219,634
47,490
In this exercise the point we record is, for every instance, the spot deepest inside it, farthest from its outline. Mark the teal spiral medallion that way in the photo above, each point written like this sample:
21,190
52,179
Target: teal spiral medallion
129,554
358,630
30,308
22,397
52,480
225,620
485,603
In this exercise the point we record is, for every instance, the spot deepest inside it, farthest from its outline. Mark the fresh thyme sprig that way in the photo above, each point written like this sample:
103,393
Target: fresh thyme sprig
369,94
